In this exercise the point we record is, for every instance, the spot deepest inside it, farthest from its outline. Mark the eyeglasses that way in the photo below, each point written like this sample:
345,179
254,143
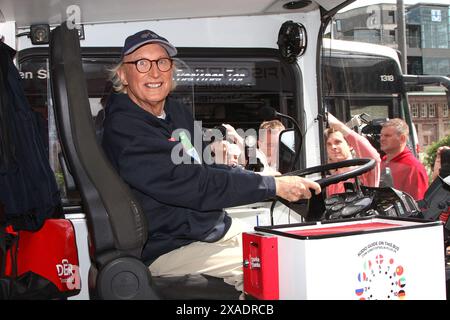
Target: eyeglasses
144,65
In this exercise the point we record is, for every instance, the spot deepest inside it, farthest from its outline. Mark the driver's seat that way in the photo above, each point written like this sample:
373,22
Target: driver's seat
117,227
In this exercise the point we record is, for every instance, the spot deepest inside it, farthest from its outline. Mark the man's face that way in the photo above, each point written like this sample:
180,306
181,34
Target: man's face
337,147
150,88
268,142
390,140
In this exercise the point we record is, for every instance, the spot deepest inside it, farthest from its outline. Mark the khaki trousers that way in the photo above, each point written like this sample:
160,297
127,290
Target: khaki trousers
221,259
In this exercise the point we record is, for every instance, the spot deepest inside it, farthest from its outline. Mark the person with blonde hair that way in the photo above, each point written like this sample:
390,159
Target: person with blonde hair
268,141
408,174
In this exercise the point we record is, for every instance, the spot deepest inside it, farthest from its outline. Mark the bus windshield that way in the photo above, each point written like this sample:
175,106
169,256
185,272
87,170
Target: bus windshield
226,86
357,80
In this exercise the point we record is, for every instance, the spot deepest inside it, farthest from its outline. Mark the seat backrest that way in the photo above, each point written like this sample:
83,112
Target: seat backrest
115,219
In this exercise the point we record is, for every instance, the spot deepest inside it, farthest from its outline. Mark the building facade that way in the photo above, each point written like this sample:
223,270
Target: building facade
374,24
428,39
429,112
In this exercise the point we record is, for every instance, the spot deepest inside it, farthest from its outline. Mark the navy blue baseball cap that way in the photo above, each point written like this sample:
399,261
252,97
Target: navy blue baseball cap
140,38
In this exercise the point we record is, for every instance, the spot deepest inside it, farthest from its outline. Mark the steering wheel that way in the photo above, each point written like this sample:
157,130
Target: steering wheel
364,165
316,204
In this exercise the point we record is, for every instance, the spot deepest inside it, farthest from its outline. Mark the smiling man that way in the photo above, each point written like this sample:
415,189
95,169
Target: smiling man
188,230
344,144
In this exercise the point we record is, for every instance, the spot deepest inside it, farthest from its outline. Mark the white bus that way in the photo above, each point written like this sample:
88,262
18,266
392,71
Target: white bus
235,58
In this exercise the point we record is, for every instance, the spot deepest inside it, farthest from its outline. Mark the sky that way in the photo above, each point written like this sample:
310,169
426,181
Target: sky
361,3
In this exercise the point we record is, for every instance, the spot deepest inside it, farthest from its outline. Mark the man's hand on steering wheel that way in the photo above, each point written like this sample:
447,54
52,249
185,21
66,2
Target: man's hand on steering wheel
293,188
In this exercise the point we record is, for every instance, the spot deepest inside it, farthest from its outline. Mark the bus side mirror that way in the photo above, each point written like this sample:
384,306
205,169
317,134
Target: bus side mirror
286,150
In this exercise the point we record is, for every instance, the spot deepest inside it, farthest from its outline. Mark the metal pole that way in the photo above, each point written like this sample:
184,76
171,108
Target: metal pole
402,34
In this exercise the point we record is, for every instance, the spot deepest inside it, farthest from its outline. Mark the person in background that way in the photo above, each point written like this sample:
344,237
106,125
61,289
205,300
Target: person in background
408,174
442,169
146,132
268,141
266,152
343,143
226,153
437,163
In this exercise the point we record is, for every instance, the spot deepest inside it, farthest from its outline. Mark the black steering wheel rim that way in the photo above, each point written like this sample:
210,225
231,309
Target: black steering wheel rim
364,165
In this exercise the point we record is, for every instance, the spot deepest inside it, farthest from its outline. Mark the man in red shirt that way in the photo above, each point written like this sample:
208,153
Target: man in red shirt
408,173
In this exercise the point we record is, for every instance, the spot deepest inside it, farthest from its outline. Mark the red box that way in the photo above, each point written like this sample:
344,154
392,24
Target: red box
261,265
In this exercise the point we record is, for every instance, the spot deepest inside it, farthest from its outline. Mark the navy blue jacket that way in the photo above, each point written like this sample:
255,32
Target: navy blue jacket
28,188
183,203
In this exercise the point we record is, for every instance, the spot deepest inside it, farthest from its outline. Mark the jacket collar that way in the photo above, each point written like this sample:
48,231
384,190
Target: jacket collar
121,103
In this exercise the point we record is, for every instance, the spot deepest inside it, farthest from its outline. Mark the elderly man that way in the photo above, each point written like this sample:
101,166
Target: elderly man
408,174
189,232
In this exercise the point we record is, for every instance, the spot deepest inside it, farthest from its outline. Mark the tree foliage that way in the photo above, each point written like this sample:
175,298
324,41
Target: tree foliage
430,152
